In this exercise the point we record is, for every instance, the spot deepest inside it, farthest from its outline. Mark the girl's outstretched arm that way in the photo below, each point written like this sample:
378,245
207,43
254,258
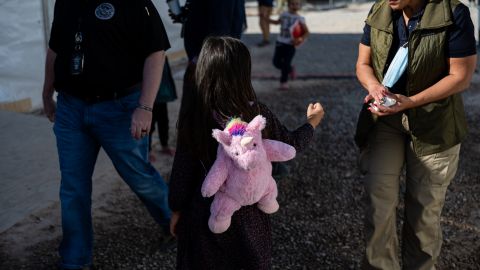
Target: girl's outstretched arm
298,138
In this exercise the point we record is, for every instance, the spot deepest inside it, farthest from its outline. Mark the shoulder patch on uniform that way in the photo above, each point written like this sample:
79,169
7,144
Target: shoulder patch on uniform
105,11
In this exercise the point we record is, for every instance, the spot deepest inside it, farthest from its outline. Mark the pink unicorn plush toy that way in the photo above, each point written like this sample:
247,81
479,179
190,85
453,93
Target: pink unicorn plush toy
242,172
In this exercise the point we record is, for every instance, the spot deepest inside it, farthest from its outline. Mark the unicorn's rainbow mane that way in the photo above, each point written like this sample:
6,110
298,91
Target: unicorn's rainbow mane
236,127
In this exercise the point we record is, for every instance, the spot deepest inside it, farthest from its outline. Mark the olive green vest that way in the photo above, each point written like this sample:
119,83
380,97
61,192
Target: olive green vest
439,125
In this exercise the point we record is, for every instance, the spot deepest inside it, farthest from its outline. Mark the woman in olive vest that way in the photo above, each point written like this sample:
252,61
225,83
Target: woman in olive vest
422,131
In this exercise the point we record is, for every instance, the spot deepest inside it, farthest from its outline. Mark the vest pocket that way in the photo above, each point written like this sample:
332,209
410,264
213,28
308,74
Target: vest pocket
435,123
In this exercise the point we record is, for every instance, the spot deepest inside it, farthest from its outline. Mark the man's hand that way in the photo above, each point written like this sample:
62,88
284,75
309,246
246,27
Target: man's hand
49,107
141,121
142,116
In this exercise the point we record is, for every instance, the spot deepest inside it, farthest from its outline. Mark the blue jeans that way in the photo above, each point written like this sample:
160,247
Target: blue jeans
81,129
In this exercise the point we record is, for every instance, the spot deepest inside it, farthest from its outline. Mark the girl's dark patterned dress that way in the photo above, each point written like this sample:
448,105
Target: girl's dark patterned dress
247,244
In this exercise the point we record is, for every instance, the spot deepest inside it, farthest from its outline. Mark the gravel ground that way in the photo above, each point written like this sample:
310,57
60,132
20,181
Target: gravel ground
319,224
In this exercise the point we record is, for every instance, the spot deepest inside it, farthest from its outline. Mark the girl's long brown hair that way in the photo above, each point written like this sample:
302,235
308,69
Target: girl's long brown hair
222,87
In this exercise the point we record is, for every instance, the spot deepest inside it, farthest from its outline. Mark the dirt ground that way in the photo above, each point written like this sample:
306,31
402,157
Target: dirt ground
319,224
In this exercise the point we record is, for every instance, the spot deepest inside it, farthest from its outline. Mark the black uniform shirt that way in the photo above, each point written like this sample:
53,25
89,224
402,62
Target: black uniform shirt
118,35
212,18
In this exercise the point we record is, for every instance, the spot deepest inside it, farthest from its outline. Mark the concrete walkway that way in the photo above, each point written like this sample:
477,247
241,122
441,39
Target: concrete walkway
29,170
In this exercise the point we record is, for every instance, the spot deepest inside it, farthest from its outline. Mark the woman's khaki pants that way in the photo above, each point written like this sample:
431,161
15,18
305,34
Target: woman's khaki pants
427,178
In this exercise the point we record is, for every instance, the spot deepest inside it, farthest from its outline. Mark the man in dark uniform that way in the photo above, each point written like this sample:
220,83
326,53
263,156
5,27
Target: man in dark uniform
104,60
204,18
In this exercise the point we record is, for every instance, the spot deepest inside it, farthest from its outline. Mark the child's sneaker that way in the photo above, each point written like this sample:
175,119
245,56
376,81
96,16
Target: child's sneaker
283,86
293,73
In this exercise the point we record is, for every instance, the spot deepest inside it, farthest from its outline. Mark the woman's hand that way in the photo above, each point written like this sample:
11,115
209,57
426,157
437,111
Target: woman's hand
403,103
376,92
173,223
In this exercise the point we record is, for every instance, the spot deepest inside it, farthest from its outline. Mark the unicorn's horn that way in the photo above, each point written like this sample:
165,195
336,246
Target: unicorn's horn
246,140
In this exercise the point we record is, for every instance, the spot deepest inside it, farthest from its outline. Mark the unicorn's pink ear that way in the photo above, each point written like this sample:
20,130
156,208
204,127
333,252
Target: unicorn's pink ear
257,123
222,137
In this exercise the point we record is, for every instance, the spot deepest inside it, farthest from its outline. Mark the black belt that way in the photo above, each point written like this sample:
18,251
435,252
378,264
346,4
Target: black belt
107,96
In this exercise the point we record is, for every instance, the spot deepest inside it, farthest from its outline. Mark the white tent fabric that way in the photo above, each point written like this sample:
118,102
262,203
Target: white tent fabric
22,49
24,30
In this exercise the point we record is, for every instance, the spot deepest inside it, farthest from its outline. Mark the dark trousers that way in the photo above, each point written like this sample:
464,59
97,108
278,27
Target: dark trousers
160,118
212,18
282,59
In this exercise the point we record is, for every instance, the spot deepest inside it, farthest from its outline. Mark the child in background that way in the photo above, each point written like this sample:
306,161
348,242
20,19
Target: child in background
223,90
286,43
166,93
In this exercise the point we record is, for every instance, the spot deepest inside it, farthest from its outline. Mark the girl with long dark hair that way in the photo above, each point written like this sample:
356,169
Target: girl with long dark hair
223,90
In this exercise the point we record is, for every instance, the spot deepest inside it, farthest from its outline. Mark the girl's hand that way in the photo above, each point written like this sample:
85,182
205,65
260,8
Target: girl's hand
376,92
173,223
315,114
